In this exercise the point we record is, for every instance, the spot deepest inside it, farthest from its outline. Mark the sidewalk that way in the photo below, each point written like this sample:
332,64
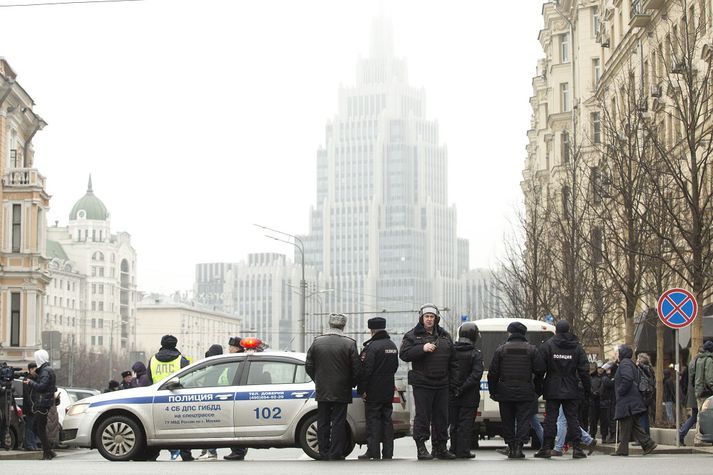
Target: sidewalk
666,440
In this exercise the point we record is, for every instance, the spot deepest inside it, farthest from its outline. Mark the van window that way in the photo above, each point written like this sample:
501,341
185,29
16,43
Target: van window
489,342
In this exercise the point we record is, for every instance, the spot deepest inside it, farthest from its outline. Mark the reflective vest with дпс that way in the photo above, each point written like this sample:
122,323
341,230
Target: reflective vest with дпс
161,370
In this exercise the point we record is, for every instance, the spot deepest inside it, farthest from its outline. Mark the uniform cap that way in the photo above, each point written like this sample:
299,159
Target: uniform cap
517,327
125,374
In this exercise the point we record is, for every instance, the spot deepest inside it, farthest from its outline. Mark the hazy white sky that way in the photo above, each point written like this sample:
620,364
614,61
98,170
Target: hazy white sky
198,118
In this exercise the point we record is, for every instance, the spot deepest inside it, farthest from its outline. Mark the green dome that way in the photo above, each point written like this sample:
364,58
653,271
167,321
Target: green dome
91,205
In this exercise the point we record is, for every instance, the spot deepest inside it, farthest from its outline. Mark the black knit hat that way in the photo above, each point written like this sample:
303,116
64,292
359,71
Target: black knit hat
376,323
517,327
562,326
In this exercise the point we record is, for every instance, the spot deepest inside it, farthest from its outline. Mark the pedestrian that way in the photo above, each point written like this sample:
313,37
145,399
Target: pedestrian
429,349
333,364
113,386
163,364
236,453
588,440
566,382
212,454
465,390
45,386
690,400
29,400
598,411
669,396
142,376
630,405
611,369
515,381
647,387
127,380
379,361
703,382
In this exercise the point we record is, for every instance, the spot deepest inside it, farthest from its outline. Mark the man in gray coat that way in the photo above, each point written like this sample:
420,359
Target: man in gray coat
333,364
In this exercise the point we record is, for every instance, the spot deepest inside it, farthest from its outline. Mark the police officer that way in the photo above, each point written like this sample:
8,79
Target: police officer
514,380
236,453
333,364
165,362
379,362
567,376
465,390
429,349
127,381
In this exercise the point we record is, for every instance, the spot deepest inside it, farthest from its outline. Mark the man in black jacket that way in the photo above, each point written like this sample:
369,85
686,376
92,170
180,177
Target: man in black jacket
567,376
379,362
429,349
514,380
333,364
465,390
45,387
602,388
29,400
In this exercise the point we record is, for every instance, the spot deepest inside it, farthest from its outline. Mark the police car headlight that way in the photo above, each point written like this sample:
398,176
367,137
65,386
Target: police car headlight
77,409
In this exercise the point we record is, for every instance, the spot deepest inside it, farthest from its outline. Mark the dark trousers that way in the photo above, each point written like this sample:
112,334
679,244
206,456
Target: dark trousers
30,438
598,416
331,429
41,431
570,408
628,427
379,429
460,420
516,421
431,417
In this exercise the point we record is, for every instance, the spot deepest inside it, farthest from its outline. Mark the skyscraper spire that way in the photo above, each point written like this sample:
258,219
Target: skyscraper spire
382,38
89,186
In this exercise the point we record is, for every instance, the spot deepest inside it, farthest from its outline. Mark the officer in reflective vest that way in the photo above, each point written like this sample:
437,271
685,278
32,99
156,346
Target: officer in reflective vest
167,361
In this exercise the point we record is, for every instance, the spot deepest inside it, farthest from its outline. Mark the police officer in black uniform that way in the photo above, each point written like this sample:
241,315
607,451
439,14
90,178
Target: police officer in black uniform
514,380
465,390
379,362
429,349
567,376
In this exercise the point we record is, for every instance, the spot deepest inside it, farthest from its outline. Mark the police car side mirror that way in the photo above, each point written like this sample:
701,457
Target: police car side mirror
173,383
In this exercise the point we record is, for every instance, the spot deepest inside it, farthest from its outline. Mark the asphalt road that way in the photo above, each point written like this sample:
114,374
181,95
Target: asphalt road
294,461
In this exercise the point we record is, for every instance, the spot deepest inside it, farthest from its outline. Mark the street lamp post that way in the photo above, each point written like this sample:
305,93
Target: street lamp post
303,284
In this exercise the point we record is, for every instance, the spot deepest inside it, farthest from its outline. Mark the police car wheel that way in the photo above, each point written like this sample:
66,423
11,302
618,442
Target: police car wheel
308,439
119,438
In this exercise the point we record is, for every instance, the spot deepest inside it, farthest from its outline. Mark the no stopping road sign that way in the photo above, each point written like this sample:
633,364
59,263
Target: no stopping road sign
677,308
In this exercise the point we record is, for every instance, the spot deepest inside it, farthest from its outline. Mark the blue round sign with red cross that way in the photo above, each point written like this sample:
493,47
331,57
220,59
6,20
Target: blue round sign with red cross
677,308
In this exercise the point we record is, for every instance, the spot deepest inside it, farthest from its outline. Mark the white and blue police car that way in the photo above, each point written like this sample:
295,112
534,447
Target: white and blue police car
251,399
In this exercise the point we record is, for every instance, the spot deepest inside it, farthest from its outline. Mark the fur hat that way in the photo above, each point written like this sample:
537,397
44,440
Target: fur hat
169,341
376,323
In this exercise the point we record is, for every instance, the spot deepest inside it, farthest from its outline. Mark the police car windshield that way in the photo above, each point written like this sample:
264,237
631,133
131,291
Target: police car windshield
489,341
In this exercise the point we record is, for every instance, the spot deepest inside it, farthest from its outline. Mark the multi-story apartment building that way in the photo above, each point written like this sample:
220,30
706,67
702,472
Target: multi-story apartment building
23,208
382,233
95,271
626,82
195,326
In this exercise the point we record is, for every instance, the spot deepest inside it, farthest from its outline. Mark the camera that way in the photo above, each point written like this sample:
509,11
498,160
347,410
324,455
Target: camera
7,374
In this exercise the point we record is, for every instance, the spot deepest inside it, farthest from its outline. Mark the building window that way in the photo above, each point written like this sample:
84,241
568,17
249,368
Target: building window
16,227
596,71
564,97
101,323
596,21
100,340
94,341
15,319
101,306
597,253
565,147
596,127
566,197
94,305
564,48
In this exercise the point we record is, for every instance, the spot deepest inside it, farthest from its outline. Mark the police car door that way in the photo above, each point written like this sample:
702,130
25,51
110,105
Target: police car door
272,395
202,407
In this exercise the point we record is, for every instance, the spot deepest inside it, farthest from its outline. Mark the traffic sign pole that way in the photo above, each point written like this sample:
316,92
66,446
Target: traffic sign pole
678,389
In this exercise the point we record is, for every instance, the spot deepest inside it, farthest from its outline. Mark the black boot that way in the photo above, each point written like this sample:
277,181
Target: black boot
543,453
421,451
518,451
577,452
440,451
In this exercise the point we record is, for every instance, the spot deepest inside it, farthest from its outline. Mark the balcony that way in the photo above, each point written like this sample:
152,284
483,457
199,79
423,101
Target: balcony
639,17
23,177
653,4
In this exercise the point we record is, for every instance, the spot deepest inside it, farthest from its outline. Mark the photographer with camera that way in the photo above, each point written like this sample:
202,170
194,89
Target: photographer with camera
29,400
45,387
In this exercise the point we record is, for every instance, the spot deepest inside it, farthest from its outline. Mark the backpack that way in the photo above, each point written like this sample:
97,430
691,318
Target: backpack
646,385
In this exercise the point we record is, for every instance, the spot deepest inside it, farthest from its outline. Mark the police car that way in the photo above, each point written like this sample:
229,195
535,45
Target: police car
252,399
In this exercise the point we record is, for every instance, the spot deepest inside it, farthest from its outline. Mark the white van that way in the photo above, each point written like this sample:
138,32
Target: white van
493,333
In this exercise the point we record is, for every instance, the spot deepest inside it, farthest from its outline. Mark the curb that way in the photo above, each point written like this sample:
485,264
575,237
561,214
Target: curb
20,455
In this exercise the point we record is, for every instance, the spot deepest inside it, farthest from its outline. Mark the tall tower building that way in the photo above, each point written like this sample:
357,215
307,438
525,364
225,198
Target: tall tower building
382,233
